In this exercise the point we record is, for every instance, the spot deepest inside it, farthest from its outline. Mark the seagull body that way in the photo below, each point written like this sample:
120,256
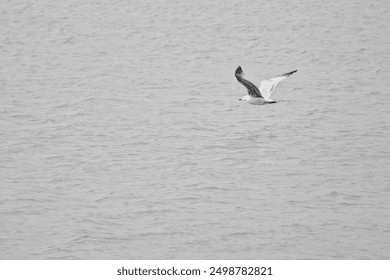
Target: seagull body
261,95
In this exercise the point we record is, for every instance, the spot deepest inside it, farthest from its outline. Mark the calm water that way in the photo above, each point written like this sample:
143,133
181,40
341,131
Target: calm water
122,136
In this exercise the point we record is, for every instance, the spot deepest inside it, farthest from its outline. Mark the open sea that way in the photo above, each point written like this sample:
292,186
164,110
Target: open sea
122,136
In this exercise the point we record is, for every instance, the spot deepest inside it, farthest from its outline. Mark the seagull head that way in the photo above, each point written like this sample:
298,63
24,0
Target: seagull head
245,97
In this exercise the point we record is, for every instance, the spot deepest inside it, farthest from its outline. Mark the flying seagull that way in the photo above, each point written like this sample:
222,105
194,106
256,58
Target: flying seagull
260,96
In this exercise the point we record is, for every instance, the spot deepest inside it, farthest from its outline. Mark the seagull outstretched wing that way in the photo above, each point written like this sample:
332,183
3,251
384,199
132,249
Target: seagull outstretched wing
252,89
268,86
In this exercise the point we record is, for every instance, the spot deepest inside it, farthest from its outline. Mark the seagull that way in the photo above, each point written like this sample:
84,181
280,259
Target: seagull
260,96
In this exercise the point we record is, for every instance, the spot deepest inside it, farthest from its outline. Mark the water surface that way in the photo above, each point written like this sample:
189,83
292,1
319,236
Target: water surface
122,136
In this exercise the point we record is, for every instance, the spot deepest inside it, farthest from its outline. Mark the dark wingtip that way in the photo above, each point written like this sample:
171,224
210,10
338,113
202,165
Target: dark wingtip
238,70
290,73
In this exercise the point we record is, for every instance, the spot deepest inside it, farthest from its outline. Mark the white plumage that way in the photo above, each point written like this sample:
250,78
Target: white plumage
261,95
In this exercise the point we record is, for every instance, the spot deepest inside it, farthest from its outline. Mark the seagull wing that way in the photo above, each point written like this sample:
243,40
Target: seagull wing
268,86
252,89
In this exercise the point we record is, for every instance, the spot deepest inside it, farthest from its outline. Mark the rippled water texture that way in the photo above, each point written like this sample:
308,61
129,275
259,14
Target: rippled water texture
122,136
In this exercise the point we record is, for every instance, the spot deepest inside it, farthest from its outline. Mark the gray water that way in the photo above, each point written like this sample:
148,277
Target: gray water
122,136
